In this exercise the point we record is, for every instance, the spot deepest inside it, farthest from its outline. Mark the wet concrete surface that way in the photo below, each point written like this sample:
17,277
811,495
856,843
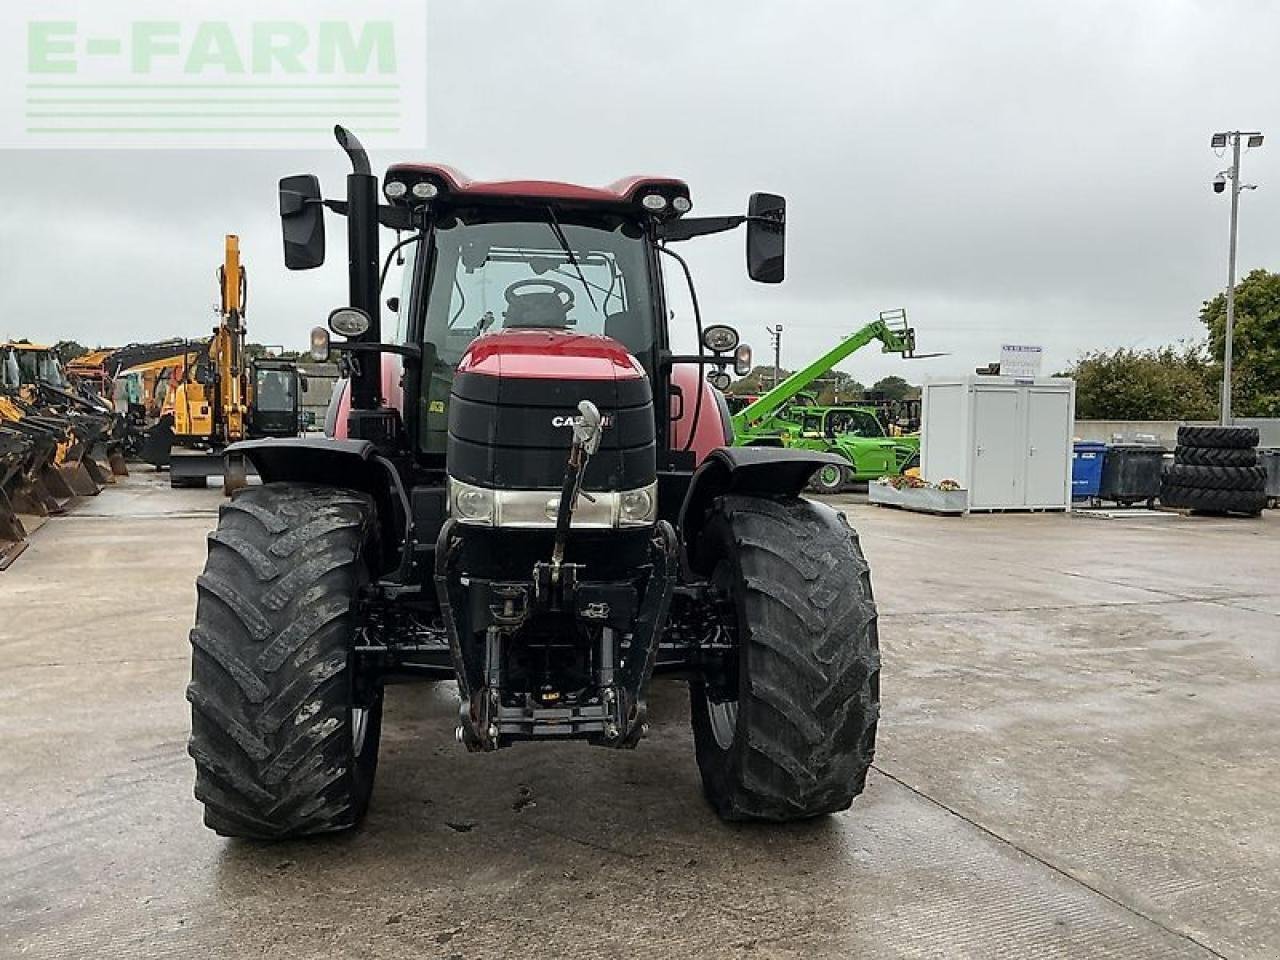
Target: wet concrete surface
1078,758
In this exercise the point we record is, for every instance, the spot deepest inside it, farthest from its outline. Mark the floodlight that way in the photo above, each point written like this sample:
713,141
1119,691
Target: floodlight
1219,141
1255,139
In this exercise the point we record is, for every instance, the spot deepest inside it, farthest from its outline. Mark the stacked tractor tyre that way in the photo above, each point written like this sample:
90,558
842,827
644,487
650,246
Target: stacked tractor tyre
1215,470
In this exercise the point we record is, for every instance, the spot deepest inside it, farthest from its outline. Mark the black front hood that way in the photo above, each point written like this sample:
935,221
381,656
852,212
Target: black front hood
514,433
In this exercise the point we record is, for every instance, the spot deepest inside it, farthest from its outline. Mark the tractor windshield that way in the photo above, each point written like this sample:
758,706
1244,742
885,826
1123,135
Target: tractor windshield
490,274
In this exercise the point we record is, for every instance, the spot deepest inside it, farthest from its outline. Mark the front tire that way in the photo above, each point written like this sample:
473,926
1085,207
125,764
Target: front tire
283,742
787,731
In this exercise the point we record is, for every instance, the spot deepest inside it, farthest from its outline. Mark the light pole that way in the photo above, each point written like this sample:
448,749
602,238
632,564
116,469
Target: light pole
1219,142
775,334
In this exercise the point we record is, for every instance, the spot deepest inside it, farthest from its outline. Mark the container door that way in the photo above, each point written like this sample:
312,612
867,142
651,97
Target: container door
1048,447
997,453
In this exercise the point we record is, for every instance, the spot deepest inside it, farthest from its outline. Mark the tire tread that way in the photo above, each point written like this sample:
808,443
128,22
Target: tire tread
811,704
269,687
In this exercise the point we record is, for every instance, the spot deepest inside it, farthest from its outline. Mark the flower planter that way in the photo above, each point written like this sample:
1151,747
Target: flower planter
920,499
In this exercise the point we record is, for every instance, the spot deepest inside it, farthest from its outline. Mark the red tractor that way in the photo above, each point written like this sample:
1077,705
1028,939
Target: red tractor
529,494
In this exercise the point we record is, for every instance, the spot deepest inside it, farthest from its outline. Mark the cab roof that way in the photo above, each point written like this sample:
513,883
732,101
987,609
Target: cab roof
457,183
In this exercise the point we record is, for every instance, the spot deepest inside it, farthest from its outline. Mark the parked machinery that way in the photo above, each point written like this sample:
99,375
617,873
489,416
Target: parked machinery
531,496
44,396
213,404
853,433
48,436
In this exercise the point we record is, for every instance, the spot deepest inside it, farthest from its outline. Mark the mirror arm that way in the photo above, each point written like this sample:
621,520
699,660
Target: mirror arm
711,360
690,227
397,218
412,351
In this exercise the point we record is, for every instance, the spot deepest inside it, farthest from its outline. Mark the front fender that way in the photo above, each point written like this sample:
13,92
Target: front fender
757,471
352,464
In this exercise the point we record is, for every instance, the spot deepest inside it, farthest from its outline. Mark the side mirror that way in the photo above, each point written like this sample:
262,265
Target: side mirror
766,238
302,221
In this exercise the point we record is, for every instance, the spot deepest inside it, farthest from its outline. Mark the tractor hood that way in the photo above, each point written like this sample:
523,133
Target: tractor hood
515,399
550,354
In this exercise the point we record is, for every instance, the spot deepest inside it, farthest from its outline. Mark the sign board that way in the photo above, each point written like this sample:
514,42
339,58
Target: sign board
1020,361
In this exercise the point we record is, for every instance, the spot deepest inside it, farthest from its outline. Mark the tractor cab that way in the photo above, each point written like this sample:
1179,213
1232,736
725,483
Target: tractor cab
832,422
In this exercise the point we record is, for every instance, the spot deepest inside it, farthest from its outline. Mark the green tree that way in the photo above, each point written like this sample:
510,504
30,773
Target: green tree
255,350
68,350
838,387
759,380
1169,383
1255,379
894,388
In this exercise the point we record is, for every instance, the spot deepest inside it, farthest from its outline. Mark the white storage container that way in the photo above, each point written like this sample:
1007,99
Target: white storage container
1006,441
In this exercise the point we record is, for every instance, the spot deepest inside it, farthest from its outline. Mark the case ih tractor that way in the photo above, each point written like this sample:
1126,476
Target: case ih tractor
533,497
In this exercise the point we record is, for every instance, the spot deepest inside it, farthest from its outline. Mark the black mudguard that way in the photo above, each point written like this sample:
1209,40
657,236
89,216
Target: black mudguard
351,464
753,471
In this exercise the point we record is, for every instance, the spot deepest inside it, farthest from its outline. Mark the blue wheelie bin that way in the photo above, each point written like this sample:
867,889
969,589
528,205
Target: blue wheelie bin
1087,458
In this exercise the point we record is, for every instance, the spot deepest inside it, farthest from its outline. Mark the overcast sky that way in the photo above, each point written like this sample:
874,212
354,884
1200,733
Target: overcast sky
1031,172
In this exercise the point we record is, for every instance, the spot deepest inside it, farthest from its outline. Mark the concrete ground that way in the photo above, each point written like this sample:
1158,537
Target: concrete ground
1078,758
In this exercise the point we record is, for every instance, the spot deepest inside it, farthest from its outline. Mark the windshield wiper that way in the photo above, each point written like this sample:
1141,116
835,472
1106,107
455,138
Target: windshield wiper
568,251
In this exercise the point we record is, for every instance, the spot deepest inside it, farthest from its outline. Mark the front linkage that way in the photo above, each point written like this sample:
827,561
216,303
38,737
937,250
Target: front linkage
625,622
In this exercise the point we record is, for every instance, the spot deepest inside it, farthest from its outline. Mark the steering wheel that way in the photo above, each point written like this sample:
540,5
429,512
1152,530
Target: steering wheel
514,292
546,307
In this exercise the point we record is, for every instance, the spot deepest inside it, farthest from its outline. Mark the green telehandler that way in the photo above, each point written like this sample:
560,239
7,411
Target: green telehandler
853,432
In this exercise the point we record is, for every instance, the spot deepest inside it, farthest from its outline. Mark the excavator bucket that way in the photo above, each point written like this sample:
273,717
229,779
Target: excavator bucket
13,535
14,451
115,460
157,443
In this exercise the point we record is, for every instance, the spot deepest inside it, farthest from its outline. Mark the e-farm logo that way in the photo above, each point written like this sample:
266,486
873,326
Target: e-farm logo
267,74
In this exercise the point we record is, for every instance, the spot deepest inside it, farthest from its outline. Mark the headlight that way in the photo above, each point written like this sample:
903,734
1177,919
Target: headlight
538,509
654,202
425,190
471,504
638,507
682,204
349,322
720,338
395,189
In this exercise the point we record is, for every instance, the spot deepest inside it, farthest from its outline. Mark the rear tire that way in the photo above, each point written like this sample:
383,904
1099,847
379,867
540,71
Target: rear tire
788,731
1249,502
1216,457
1226,438
1216,478
282,743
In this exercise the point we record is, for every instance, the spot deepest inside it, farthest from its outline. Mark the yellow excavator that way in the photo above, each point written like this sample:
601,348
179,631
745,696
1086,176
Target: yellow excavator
216,400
